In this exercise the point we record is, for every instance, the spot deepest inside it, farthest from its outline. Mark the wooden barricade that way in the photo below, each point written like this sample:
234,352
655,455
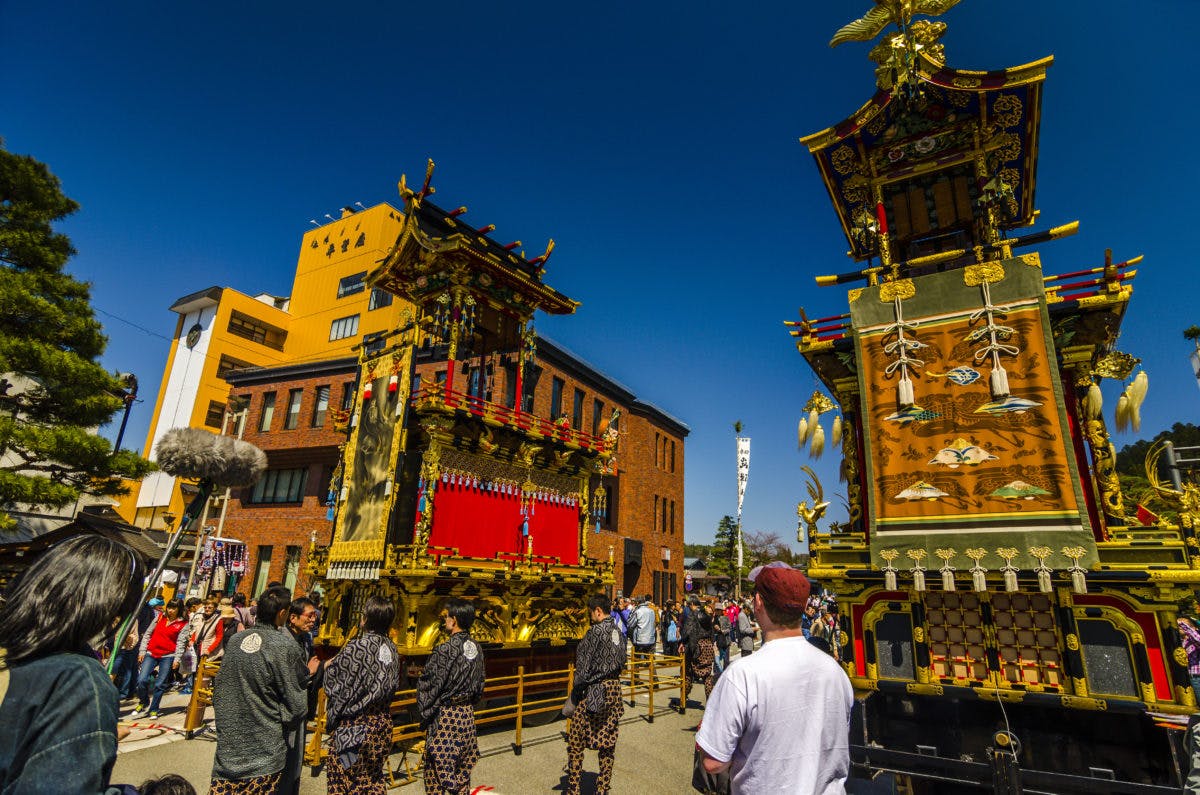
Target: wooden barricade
201,696
651,673
521,695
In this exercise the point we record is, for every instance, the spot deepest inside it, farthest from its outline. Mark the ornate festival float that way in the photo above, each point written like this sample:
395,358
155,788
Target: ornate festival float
440,491
1005,624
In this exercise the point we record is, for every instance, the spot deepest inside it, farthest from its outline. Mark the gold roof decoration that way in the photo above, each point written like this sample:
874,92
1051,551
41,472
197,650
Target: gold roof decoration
895,54
1117,364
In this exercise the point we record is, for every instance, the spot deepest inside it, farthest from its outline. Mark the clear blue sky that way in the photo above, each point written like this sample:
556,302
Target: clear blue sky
656,142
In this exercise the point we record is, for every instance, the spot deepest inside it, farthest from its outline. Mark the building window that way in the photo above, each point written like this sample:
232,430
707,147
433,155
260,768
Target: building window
577,410
262,569
268,412
352,285
292,421
656,512
348,395
510,387
556,392
440,377
343,327
475,382
322,407
671,524
597,414
657,450
672,455
248,328
241,411
291,567
416,384
215,418
228,364
280,485
379,299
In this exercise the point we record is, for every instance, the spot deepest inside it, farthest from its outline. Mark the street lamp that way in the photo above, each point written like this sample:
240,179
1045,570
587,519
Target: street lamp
129,396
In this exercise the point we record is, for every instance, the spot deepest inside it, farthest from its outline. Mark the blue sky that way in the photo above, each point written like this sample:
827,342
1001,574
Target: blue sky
657,143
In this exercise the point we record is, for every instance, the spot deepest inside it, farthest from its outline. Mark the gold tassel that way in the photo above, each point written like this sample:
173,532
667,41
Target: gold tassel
1137,395
842,472
1123,412
814,420
1093,402
837,431
801,433
818,442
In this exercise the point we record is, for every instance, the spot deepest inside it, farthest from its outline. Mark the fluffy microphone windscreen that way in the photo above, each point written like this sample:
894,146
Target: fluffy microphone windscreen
196,453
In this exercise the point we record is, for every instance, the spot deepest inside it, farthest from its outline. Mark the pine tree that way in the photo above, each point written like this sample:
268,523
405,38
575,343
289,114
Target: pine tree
53,392
724,549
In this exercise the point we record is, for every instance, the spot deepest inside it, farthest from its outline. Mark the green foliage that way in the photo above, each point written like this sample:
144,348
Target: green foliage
724,556
57,393
697,551
1138,491
1192,333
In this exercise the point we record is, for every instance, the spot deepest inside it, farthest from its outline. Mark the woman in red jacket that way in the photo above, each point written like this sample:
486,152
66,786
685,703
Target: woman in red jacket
162,648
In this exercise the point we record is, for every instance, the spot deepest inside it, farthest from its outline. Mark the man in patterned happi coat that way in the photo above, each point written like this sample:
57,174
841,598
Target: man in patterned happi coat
597,696
449,687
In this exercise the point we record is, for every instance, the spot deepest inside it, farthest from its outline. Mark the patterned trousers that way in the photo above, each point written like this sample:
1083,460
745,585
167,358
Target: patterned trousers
705,657
451,751
259,785
595,730
365,776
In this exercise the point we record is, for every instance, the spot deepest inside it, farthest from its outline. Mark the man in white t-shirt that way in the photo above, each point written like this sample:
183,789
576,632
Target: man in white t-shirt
779,720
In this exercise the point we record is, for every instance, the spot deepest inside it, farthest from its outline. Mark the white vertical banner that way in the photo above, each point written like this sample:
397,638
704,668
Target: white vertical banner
743,469
743,474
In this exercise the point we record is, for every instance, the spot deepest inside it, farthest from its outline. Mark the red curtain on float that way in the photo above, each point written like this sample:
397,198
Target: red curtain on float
483,523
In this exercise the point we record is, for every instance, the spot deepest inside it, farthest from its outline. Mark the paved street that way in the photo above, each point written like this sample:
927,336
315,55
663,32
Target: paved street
651,757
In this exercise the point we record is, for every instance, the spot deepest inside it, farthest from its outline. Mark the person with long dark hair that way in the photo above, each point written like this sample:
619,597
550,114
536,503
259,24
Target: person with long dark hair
58,707
705,653
360,683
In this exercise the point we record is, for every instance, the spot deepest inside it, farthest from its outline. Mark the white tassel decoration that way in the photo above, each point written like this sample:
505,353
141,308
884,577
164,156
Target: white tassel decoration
1093,403
818,442
1123,412
918,579
979,579
1137,395
813,420
904,393
1078,581
837,431
1010,580
999,383
801,433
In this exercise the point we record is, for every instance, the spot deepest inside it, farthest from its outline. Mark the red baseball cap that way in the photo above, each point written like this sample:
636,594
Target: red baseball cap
781,586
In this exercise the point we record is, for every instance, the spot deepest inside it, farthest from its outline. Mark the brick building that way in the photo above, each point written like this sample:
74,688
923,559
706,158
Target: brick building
288,414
